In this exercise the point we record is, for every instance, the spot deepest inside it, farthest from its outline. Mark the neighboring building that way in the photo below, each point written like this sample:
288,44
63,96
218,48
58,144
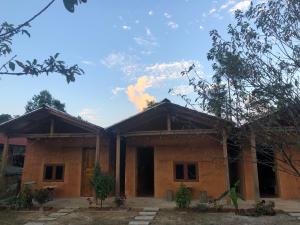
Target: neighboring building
150,154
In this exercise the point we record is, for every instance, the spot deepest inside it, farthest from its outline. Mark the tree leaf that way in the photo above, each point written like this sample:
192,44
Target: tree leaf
12,66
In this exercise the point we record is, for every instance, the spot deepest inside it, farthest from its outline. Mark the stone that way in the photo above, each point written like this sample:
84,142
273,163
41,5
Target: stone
47,218
295,214
145,218
151,209
57,214
147,213
33,223
66,210
139,223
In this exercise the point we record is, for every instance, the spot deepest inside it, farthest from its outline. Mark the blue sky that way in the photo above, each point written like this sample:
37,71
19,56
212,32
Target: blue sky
132,51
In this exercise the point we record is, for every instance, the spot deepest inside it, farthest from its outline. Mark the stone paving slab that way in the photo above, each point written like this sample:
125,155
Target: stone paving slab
57,214
65,210
145,218
295,214
147,213
151,209
33,223
47,218
139,223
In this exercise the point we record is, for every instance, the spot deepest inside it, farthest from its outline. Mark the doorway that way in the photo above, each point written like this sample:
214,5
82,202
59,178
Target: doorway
88,163
145,172
266,172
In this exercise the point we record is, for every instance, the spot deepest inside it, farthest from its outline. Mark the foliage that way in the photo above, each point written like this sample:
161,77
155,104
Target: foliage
17,67
5,117
183,197
119,201
41,196
70,4
264,208
202,206
256,75
234,196
24,198
103,184
44,98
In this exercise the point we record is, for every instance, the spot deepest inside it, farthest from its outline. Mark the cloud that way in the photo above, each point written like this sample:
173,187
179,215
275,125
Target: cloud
126,63
148,42
212,11
201,27
144,42
116,90
242,5
154,76
167,15
173,25
148,32
90,115
88,62
227,4
137,21
182,90
125,27
150,13
137,95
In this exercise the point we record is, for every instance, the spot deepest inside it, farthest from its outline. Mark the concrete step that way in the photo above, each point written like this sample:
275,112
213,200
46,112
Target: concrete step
151,209
145,218
295,214
139,223
33,223
57,214
47,218
147,213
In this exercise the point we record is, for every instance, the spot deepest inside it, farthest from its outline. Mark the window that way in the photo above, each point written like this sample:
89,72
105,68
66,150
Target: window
54,172
186,171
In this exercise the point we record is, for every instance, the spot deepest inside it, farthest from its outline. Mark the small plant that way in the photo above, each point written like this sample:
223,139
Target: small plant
234,196
103,184
120,201
24,198
41,196
217,206
183,197
202,206
264,208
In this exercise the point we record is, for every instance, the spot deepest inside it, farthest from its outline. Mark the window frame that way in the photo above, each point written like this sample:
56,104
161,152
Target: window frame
185,171
54,166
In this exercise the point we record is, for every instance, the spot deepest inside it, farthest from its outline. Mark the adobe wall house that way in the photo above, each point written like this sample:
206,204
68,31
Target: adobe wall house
167,145
61,150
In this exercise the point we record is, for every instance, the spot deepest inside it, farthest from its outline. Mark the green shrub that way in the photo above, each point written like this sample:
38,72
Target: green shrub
264,208
24,198
202,206
103,184
183,197
41,196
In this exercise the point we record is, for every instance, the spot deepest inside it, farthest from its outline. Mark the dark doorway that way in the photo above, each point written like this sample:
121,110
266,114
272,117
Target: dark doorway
145,172
266,172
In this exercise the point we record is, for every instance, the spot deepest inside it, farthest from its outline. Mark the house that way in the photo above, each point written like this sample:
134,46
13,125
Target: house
150,154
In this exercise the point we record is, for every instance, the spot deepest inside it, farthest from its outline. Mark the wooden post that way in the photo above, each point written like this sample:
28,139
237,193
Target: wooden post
169,124
254,165
225,155
118,160
4,162
52,127
97,155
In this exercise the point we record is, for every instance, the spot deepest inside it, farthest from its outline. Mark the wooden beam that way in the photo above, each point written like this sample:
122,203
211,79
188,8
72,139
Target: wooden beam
97,156
171,132
118,161
55,135
254,165
169,122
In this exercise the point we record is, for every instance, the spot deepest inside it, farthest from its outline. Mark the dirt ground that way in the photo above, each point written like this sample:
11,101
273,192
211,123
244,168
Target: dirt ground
164,217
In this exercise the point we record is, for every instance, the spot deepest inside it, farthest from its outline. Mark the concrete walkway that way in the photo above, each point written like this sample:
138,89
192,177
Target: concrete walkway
145,217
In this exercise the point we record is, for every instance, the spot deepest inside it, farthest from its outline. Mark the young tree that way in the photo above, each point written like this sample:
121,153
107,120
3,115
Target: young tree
44,98
102,183
256,77
10,65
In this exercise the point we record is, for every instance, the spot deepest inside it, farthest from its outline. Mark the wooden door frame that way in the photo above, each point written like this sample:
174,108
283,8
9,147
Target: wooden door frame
82,165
